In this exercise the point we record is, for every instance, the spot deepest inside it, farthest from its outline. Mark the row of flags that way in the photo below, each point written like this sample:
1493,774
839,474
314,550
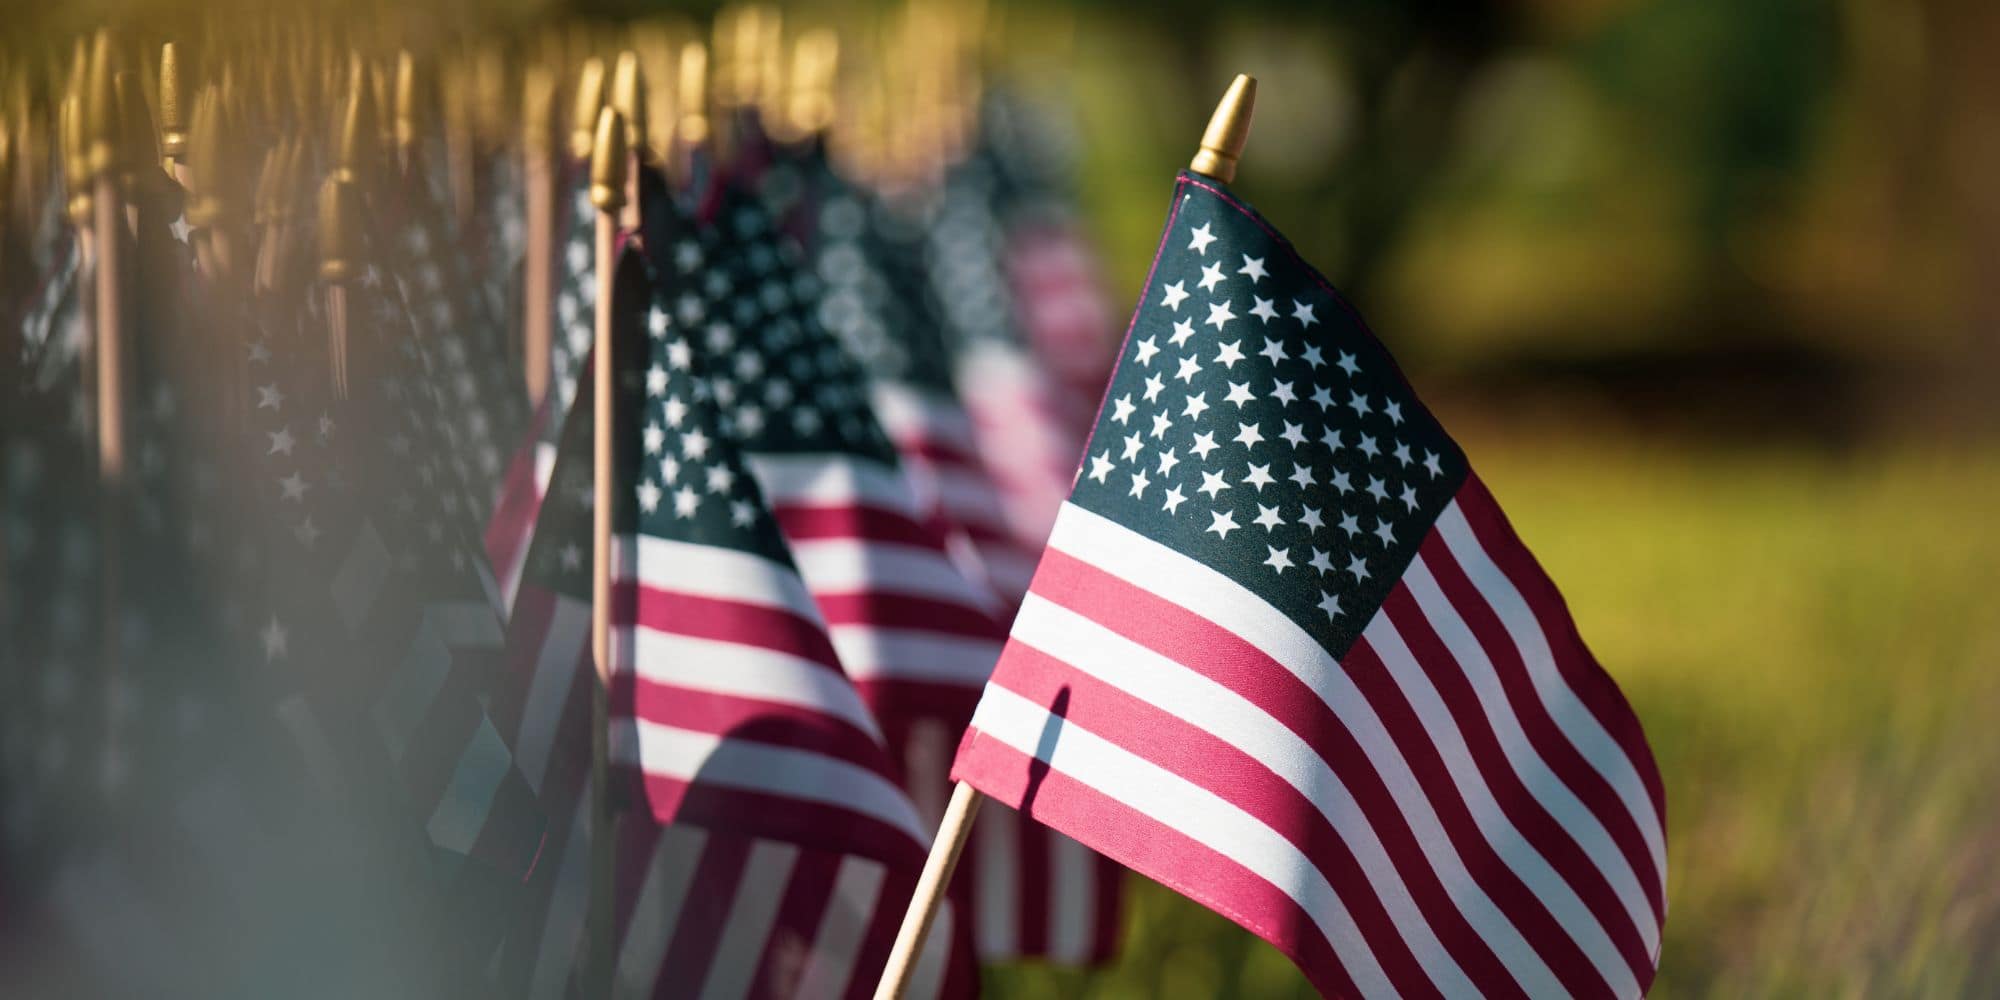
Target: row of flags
300,693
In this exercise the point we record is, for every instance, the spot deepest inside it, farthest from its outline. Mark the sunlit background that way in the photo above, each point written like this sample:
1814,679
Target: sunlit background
1710,289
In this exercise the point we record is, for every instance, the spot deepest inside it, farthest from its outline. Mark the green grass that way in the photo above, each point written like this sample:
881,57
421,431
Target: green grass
1813,643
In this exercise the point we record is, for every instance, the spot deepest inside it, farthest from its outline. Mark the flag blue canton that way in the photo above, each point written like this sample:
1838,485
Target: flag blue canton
1255,424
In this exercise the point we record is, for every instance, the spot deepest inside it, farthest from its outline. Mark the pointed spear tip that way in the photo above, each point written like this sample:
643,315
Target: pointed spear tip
607,162
173,117
1228,130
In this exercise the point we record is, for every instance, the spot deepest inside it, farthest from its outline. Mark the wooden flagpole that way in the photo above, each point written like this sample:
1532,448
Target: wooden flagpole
1221,147
608,172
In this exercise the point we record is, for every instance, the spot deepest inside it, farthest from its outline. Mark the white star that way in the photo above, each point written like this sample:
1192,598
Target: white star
1341,482
649,496
679,355
1212,484
1203,444
1267,518
1260,477
1230,354
1222,524
720,478
1408,496
656,322
307,532
695,444
259,353
1348,364
1219,314
1121,408
1189,369
1273,350
1329,604
1359,567
1303,312
1160,424
1395,411
1183,329
656,381
1132,446
1279,560
1174,499
1202,238
1261,308
1350,524
1368,446
1330,436
1100,466
1197,404
1313,356
1154,384
1294,434
1284,392
1239,393
1253,267
675,411
1139,484
1377,489
1320,562
686,501
1383,532
742,513
1302,476
281,441
1402,453
1211,276
571,556
1167,462
1323,397
293,487
670,468
1431,465
1358,403
1248,435
276,644
1175,294
268,397
1147,348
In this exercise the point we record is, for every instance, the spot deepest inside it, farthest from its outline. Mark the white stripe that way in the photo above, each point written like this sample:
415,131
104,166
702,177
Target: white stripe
1072,901
1190,810
1184,694
1520,856
878,653
997,882
562,929
908,412
685,755
563,654
1568,711
657,912
857,890
827,479
510,574
969,497
1556,797
717,573
847,565
739,670
753,909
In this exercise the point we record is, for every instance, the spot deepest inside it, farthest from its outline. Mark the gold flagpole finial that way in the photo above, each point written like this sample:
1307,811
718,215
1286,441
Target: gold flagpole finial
173,118
336,229
607,162
1228,130
100,110
538,108
693,93
583,114
406,130
628,96
358,131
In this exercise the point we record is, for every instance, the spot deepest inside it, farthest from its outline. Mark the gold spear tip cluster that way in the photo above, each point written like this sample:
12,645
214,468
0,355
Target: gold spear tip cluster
607,161
1228,130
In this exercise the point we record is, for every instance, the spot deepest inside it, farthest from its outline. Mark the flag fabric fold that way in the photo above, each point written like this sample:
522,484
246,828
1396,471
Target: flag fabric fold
1285,655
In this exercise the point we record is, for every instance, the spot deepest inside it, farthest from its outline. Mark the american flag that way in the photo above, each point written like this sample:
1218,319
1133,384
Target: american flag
525,482
770,851
1285,655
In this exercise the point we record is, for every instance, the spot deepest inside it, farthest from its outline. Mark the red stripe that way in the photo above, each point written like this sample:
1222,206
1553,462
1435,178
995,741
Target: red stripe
679,613
779,817
1235,776
1222,656
1544,735
907,611
747,719
513,521
918,444
803,522
1537,828
1159,852
1586,679
527,631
